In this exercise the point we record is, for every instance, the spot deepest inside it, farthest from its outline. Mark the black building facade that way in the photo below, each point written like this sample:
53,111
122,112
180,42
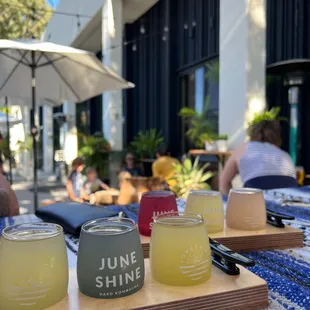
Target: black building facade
181,38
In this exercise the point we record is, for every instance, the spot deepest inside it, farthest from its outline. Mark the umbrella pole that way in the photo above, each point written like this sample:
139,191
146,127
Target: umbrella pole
8,137
34,130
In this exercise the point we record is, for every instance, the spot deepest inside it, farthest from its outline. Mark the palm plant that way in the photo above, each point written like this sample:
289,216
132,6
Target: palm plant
213,71
190,177
271,115
201,128
26,145
145,144
96,151
5,148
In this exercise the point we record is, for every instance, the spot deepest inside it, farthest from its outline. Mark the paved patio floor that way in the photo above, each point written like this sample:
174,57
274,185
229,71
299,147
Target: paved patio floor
25,194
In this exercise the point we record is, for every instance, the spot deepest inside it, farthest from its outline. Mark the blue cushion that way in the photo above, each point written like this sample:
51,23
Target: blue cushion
72,215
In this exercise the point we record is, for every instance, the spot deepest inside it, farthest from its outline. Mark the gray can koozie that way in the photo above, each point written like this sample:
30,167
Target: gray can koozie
110,258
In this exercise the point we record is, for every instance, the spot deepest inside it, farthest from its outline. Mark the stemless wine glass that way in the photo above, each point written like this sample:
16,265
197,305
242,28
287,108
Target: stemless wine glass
152,204
300,173
180,252
110,258
33,266
246,209
210,205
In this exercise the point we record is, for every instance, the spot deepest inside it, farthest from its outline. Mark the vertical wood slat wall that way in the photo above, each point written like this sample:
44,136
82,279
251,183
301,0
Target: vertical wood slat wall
288,29
154,67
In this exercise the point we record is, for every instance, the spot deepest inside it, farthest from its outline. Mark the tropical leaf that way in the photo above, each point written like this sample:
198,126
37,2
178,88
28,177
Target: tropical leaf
201,128
196,162
213,72
272,114
188,113
145,144
206,176
187,164
190,177
95,151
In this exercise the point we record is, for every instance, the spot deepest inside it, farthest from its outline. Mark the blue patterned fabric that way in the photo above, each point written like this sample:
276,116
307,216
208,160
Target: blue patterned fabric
287,272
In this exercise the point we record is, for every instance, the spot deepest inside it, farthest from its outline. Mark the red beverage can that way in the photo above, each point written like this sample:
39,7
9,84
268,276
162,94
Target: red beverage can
153,204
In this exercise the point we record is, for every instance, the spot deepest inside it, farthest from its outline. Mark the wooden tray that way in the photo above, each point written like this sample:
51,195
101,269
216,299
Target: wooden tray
246,241
221,292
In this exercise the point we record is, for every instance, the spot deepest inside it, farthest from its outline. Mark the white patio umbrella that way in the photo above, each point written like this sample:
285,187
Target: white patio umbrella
30,69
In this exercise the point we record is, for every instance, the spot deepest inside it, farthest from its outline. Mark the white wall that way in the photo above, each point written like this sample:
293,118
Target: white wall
70,131
242,65
63,29
112,35
48,155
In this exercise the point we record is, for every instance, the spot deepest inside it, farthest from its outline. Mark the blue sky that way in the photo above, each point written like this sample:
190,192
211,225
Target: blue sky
53,3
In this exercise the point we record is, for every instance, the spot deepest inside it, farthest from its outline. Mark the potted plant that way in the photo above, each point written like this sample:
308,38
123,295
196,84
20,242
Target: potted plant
221,143
271,115
200,127
24,150
144,146
5,148
189,176
209,142
95,150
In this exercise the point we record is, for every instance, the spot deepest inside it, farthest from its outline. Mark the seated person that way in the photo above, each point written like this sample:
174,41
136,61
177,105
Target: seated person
8,201
260,157
76,180
92,185
130,166
163,166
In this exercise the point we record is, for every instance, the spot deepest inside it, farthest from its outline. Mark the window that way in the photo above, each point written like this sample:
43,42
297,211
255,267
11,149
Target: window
200,87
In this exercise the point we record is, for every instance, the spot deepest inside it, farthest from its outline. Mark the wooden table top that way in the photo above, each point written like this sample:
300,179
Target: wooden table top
155,295
197,152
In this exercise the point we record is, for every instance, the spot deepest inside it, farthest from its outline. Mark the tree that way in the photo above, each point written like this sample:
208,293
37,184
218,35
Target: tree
23,19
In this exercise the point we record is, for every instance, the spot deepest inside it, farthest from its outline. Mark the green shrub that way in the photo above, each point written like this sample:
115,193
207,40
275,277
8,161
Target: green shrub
190,177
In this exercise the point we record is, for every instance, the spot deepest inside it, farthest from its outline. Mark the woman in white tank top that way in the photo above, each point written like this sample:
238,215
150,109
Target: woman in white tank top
259,157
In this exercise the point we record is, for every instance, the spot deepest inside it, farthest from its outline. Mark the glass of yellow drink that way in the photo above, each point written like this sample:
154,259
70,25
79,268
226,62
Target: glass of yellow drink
210,205
33,266
180,252
300,172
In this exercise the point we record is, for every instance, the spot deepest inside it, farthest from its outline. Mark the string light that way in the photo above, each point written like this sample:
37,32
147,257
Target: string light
56,12
142,29
133,42
79,16
78,22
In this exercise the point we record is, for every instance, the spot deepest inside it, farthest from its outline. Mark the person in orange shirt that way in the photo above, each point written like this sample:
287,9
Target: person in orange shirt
163,167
